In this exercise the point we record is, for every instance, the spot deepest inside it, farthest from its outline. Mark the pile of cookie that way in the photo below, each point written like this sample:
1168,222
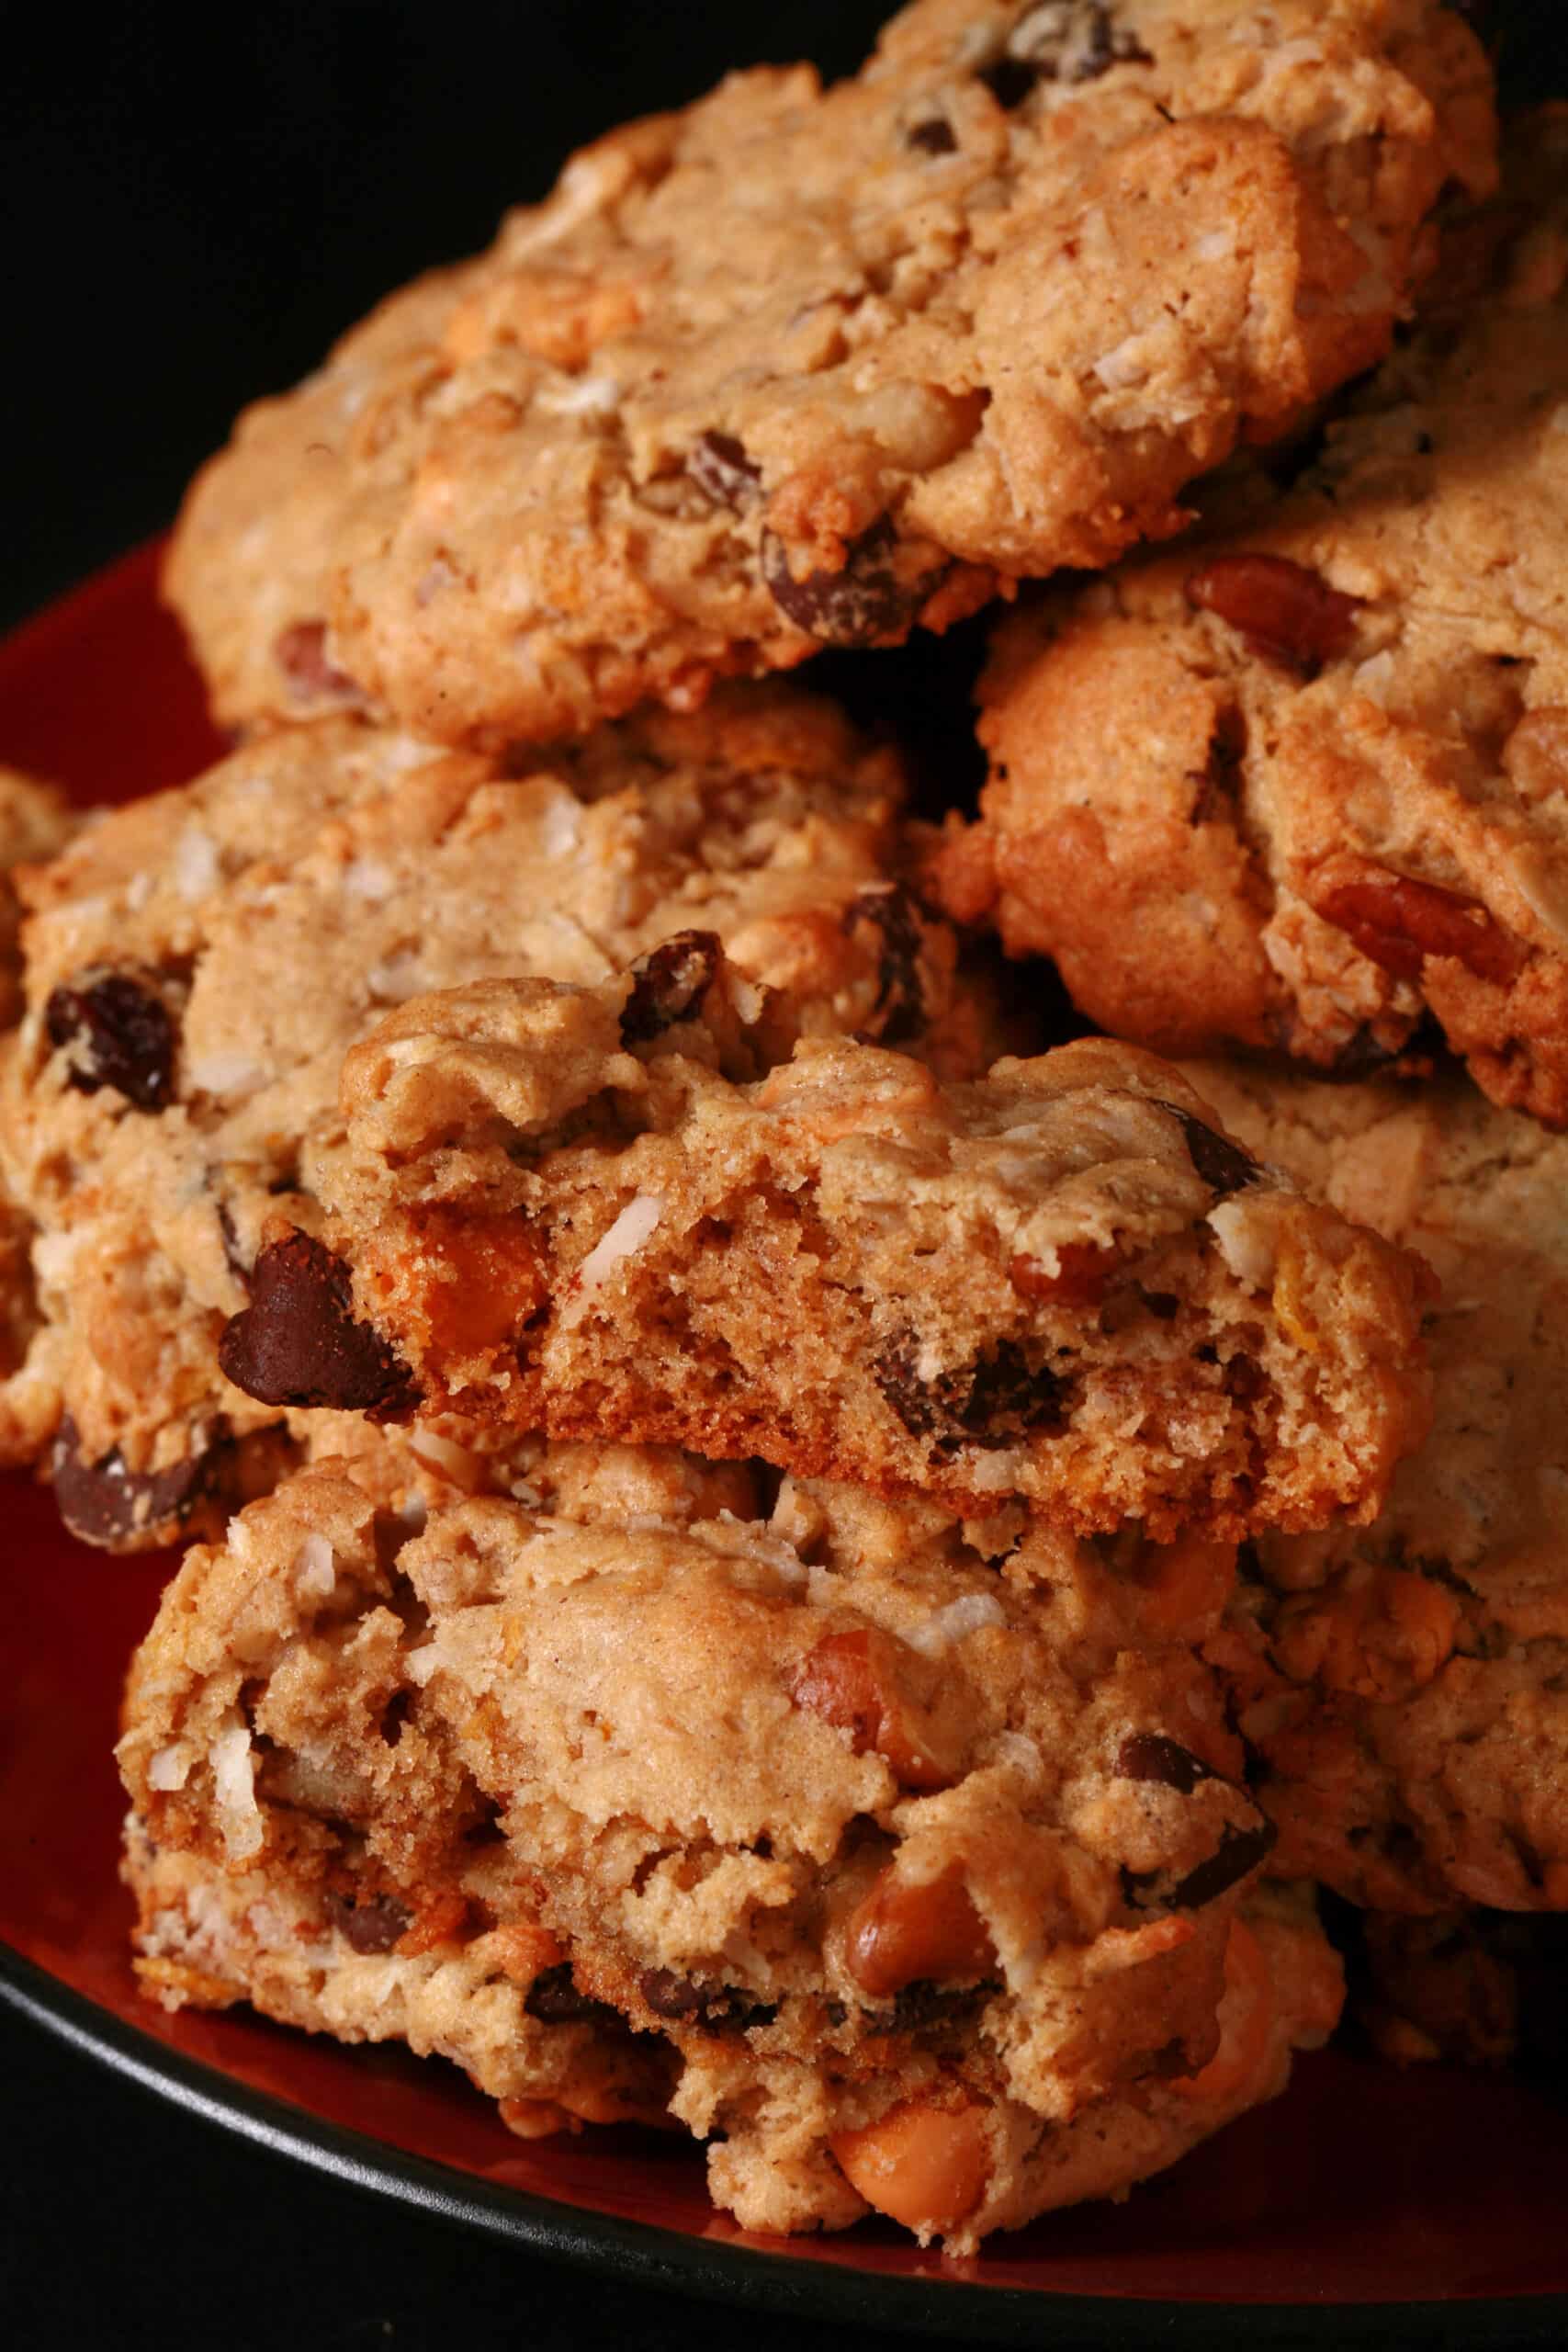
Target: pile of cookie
772,1549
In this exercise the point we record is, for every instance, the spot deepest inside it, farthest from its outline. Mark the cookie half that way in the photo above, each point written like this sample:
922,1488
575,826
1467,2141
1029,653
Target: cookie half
914,1864
635,1210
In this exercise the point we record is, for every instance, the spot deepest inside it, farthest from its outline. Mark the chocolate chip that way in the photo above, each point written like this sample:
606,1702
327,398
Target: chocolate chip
1238,1851
927,2004
935,136
553,1997
722,470
102,1502
117,1031
897,1018
992,1403
1150,1756
1223,1165
1010,80
862,603
715,2007
669,984
297,1342
371,1924
1104,46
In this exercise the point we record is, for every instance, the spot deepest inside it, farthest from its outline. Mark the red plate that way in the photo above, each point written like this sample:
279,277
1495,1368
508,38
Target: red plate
1361,2188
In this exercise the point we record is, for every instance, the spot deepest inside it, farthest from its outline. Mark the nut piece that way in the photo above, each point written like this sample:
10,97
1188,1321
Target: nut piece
899,1934
850,1680
1285,610
1397,923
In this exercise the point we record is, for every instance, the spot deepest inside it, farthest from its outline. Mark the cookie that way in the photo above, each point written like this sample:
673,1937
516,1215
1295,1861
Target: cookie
35,821
630,1210
914,1858
198,962
797,368
1302,787
1477,1988
1405,1685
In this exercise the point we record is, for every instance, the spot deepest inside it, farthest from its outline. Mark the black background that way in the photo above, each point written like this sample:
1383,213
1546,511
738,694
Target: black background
195,207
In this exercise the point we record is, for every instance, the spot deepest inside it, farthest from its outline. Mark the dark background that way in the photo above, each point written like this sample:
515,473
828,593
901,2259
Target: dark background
196,207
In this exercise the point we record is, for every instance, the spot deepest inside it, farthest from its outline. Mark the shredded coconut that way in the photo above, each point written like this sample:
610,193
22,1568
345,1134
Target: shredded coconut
197,866
367,878
590,396
234,1779
228,1070
628,1235
955,1623
1244,1243
170,1768
315,1568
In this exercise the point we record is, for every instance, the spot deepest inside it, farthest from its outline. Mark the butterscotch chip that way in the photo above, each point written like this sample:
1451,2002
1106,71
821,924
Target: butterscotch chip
1304,787
555,1790
795,368
813,1259
1404,1684
198,964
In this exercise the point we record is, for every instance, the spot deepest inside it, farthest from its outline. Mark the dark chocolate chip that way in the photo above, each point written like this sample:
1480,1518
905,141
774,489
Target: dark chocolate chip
553,1997
924,2002
715,2007
864,602
992,1403
1104,46
897,1018
1223,1165
1238,1851
669,984
371,1925
297,1342
117,1031
1011,79
1163,1305
102,1502
935,136
722,470
1150,1756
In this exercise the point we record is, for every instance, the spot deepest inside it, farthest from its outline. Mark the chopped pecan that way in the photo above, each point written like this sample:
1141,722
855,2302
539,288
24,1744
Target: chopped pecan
849,1679
1281,609
1397,923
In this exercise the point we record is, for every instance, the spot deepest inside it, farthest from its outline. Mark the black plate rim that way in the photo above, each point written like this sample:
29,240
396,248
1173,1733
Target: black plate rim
638,2253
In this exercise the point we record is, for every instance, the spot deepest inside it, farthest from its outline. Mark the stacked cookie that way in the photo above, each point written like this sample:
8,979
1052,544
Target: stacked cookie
722,1465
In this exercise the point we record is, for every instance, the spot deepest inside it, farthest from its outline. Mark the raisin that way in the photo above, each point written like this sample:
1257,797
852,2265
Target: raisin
1063,40
1224,1166
297,1342
117,1031
1283,610
898,1015
102,1502
372,1924
1010,80
860,604
669,984
722,470
992,1403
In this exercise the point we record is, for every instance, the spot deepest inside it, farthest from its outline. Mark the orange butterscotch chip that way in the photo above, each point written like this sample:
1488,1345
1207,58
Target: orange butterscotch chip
903,1932
487,1276
924,2165
1082,1271
439,1921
